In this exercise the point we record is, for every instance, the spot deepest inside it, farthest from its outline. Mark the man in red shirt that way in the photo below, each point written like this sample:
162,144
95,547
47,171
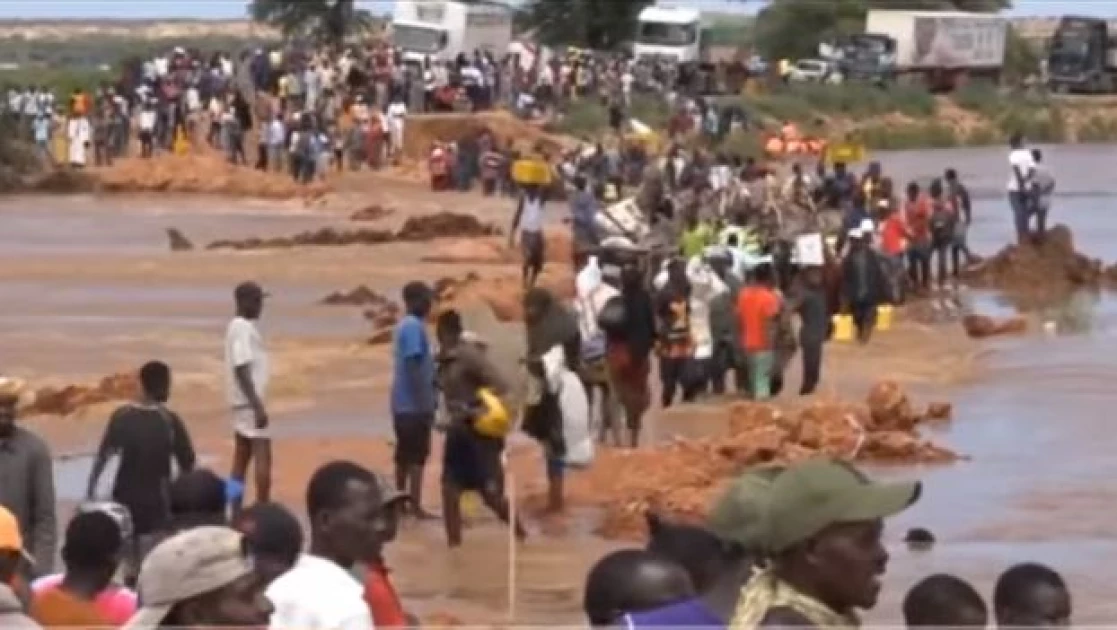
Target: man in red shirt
917,212
894,237
380,593
757,308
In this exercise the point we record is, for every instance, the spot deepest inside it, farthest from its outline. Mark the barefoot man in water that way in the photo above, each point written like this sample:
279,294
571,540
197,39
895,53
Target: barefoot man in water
246,380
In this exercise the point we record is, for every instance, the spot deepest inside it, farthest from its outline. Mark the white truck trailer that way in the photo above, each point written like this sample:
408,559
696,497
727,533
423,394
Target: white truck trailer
442,29
944,47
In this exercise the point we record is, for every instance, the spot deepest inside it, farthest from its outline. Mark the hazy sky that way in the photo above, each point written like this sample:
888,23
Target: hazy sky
39,9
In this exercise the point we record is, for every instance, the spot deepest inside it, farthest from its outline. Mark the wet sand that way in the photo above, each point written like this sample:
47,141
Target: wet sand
90,288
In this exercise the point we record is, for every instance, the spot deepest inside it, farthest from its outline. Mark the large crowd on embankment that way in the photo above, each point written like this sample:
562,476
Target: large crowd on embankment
749,270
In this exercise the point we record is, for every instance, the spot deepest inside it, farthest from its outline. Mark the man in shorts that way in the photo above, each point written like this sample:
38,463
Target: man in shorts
246,380
413,394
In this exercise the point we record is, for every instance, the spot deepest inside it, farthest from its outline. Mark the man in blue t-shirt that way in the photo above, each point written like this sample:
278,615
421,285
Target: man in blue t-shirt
413,394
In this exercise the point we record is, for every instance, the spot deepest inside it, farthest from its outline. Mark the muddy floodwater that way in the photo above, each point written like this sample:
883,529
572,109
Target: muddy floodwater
90,288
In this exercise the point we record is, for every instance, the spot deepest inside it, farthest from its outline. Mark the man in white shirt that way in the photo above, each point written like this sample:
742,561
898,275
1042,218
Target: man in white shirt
147,129
347,518
528,220
246,381
397,114
1021,197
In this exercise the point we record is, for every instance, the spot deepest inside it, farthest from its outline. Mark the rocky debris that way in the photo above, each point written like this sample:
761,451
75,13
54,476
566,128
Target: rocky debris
682,478
375,212
1047,268
982,326
358,296
380,337
325,236
63,401
178,240
204,172
441,224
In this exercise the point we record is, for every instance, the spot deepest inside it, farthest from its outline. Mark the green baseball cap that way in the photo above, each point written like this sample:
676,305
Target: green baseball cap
816,493
739,514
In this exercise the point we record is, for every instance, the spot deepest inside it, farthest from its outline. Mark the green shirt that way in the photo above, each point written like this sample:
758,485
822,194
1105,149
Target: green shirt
694,242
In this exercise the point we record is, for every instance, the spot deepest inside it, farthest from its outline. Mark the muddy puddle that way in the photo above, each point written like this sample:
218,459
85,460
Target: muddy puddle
1034,424
71,474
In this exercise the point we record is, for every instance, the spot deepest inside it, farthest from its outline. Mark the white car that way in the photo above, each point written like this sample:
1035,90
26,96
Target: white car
813,71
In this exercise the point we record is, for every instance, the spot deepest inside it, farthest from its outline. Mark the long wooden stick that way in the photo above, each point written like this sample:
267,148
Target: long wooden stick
510,489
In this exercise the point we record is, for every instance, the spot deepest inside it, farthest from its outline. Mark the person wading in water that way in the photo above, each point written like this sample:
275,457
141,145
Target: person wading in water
548,325
471,460
246,373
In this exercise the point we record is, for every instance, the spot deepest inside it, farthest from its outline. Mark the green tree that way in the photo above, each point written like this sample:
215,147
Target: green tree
599,24
327,21
783,26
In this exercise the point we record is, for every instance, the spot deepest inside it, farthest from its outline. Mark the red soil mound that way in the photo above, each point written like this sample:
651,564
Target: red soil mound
682,478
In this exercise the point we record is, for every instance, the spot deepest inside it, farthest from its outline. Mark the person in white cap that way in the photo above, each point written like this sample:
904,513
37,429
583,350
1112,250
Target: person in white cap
200,578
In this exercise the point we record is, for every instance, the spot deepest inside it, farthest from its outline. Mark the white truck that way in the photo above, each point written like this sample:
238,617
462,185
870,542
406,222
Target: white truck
944,47
442,29
669,33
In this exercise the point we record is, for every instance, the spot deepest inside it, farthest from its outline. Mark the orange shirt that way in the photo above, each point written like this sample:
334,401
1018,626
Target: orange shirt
893,235
382,600
919,218
55,608
756,306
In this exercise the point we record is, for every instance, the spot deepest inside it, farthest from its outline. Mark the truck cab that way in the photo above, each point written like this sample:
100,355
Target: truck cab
867,57
669,33
1082,57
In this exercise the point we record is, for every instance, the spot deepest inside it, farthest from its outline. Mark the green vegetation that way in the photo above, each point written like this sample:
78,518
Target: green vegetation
885,119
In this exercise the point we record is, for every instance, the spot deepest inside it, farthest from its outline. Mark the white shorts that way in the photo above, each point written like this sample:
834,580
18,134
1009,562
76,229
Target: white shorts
244,424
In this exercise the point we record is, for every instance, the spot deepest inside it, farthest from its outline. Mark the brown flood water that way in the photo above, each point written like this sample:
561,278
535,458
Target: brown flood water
89,288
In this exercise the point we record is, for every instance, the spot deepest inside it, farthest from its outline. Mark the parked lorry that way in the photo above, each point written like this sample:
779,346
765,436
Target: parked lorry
1082,57
944,48
442,29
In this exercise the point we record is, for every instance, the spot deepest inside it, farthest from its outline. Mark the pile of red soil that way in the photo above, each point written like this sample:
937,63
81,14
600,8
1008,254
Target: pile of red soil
206,172
683,478
503,294
415,229
558,248
70,398
358,296
375,212
981,326
442,224
324,236
1050,267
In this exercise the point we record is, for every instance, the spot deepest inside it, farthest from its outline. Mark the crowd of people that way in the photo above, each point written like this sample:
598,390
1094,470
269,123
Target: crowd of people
171,544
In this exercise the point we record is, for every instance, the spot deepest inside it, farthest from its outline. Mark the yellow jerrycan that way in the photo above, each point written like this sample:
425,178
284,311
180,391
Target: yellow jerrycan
884,316
843,328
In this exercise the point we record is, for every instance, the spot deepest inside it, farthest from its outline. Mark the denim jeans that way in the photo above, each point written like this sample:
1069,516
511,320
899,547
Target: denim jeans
1021,204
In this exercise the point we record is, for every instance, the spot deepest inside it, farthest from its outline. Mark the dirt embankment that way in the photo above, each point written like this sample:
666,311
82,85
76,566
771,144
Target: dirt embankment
415,229
683,478
204,172
425,130
68,399
1042,270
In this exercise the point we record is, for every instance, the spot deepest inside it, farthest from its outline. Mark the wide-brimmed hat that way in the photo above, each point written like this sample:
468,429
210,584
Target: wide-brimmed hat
812,495
12,390
192,563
